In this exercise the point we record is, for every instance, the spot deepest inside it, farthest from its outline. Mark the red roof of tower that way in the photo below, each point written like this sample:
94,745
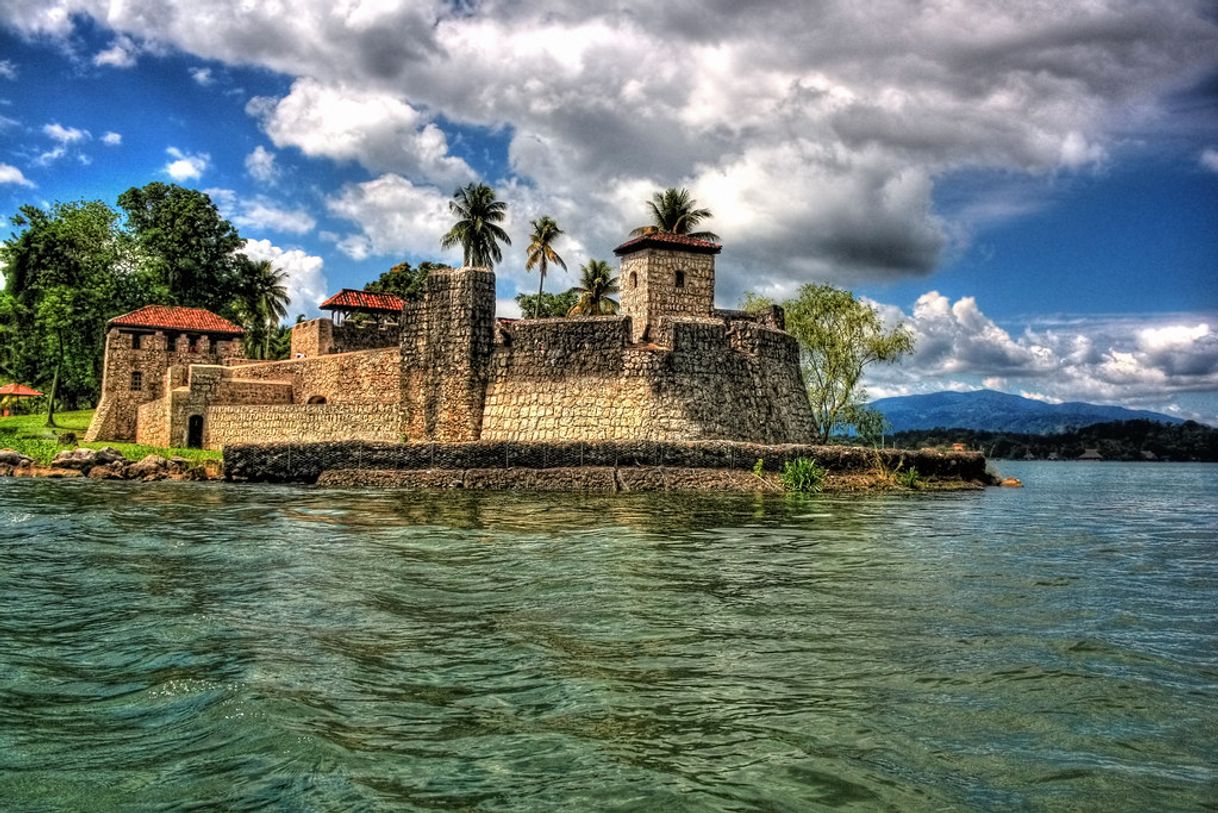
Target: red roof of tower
665,239
172,317
349,299
19,390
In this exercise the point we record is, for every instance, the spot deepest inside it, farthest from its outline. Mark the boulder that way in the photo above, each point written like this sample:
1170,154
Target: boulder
152,467
79,459
10,457
109,456
108,472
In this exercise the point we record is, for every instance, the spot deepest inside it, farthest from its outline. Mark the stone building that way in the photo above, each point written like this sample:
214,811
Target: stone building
442,368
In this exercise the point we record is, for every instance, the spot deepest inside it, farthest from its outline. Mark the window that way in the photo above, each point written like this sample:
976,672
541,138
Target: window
137,381
634,279
192,343
135,340
680,279
317,399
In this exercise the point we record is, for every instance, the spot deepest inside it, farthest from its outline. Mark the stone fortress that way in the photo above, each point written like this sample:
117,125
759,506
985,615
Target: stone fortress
670,367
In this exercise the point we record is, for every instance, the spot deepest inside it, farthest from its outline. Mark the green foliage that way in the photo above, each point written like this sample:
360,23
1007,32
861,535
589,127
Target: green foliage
551,305
755,303
870,424
261,304
1115,440
839,336
477,229
909,477
403,281
596,288
186,249
802,475
674,211
541,253
759,467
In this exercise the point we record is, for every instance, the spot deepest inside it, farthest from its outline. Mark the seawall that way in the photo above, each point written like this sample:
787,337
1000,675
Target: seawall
583,466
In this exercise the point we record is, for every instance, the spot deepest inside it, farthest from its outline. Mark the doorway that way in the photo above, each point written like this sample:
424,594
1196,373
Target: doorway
194,432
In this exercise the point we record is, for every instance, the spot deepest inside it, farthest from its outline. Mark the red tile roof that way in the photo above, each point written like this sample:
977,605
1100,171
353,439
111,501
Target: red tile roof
171,317
19,390
349,299
664,239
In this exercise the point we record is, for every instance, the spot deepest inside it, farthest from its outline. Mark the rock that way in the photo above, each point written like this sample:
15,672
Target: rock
6,470
152,467
50,472
109,456
10,457
108,472
1011,482
80,459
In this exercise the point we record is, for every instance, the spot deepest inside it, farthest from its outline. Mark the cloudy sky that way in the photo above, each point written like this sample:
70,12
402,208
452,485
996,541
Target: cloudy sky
1031,186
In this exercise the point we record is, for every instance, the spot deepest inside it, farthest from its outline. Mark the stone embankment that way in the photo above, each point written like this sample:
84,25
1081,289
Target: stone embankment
594,466
108,464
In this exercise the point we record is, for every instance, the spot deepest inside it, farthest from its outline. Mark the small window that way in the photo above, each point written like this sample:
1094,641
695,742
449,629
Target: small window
634,279
136,338
137,381
192,343
680,279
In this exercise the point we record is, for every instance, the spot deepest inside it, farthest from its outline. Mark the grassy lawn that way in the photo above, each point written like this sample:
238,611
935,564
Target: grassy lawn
27,435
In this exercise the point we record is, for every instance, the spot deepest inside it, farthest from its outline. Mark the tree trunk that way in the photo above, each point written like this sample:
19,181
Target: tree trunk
54,386
541,281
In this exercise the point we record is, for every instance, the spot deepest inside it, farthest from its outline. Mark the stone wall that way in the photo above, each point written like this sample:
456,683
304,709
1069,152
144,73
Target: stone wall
445,352
568,379
365,376
305,462
230,424
320,337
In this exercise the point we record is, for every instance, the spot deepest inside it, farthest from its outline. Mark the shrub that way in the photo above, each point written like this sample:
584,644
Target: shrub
909,477
802,475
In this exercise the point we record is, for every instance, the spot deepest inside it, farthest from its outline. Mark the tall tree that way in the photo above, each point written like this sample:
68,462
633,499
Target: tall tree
596,287
262,304
674,211
404,281
548,305
189,250
839,336
477,229
541,251
65,275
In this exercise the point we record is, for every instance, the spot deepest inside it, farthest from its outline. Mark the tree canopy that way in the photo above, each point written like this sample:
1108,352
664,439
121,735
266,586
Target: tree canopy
403,280
839,336
477,229
676,212
596,288
548,306
540,252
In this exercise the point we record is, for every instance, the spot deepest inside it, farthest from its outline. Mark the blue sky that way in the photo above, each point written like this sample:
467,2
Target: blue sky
1035,195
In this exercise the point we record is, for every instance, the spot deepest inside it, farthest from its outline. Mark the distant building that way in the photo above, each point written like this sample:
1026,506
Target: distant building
1147,454
1091,454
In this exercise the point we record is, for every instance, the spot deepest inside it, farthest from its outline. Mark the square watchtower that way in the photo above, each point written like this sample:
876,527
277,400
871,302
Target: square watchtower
665,274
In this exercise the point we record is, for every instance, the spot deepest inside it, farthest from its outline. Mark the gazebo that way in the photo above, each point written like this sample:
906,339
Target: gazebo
16,391
382,308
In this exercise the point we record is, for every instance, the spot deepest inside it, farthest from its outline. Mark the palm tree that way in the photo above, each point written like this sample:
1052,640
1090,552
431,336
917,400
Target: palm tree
541,253
477,229
674,211
263,303
596,285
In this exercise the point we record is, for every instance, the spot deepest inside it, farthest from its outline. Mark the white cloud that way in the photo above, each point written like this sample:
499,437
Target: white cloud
345,123
8,69
306,283
10,174
121,54
186,166
394,216
64,135
1209,159
112,139
202,76
259,213
260,164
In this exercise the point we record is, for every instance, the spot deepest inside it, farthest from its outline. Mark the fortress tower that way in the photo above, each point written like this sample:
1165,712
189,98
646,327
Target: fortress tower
663,275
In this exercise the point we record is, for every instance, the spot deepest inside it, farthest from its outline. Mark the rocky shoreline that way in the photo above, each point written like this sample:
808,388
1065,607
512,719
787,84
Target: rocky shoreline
108,464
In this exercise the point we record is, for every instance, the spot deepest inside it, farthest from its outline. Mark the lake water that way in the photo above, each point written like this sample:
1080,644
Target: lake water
187,646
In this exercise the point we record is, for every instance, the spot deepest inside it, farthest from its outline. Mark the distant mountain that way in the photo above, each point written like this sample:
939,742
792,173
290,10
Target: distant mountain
992,411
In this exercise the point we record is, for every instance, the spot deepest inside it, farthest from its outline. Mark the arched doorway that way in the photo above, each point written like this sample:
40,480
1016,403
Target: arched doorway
194,432
317,399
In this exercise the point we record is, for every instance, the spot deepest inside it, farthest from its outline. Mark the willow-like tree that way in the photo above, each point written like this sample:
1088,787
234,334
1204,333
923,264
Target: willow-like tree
839,336
541,253
596,288
674,211
477,229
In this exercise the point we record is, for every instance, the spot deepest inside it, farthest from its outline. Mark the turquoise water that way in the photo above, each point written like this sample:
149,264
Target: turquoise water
215,647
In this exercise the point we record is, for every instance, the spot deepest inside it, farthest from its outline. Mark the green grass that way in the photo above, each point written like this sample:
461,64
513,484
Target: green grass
802,475
26,434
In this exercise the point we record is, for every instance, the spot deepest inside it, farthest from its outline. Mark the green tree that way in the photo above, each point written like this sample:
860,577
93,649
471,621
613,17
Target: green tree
262,304
596,287
477,229
674,211
189,251
548,305
66,273
403,281
839,336
540,252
